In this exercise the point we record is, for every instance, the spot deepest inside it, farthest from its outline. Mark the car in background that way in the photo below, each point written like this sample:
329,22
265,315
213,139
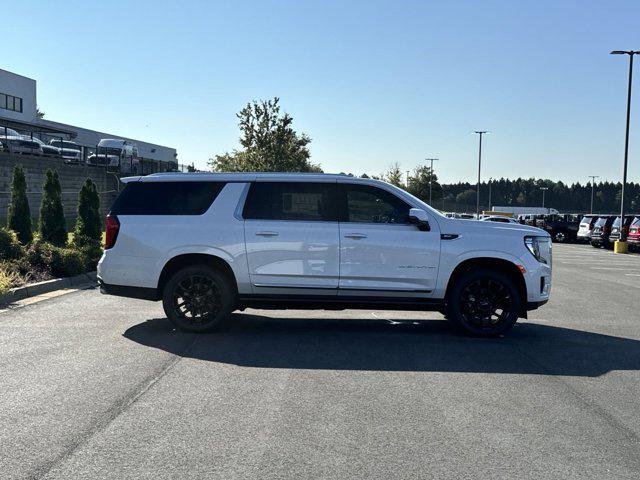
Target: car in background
499,219
615,227
634,234
561,227
586,227
117,155
602,230
17,143
71,151
47,149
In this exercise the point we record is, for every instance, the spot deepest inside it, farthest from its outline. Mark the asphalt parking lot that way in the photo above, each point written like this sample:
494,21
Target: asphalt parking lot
93,386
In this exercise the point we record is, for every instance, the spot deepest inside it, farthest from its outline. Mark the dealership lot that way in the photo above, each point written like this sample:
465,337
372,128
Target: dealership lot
102,387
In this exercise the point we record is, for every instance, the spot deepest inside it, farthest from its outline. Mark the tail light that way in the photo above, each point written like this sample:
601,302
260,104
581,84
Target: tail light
111,230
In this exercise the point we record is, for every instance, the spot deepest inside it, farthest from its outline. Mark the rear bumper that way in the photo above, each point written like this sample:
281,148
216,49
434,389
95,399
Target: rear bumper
129,292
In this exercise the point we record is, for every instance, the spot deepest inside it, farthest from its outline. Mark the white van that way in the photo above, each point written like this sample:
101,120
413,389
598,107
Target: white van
117,155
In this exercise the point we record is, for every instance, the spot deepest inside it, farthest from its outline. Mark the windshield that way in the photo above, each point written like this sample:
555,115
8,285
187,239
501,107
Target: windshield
9,132
616,222
636,222
601,221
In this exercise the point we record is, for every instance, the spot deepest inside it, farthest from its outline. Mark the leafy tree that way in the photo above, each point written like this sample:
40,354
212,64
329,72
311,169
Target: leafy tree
467,197
19,219
52,225
420,181
394,175
88,231
269,143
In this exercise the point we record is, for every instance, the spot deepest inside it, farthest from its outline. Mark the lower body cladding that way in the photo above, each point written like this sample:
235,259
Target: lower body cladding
307,301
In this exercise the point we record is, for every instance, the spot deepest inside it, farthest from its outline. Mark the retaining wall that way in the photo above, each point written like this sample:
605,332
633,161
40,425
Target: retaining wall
71,178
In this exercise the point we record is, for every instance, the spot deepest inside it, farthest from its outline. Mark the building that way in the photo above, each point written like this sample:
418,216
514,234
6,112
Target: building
18,110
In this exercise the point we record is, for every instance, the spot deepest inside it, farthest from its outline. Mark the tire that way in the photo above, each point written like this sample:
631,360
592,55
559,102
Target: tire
484,303
198,298
560,237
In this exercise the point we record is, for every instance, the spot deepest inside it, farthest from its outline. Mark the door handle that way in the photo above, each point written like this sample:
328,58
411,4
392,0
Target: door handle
355,236
267,234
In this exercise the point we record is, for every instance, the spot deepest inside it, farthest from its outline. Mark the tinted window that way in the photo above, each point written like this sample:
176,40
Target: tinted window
291,201
366,204
166,198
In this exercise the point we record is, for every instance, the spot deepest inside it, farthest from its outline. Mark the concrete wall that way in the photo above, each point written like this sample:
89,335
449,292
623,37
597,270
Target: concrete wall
19,86
71,177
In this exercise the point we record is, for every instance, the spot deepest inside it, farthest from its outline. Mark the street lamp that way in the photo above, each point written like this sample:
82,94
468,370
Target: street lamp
544,190
593,181
490,178
431,175
480,133
631,53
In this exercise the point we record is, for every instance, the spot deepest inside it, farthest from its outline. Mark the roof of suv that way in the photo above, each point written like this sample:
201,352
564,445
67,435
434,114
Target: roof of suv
240,177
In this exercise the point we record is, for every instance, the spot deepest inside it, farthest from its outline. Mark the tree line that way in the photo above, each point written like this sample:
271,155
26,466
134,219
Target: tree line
269,143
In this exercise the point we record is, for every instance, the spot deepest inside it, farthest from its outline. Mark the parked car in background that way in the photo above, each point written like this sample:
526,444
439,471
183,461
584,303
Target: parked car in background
71,151
17,143
47,149
586,227
499,219
116,155
634,234
561,227
601,231
615,227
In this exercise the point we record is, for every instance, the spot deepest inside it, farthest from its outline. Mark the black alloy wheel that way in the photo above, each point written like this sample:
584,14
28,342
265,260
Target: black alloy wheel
484,303
197,299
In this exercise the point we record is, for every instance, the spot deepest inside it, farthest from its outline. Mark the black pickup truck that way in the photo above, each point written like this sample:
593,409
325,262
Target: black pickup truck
561,227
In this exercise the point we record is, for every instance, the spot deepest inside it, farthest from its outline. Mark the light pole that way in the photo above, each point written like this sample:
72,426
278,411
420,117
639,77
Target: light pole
490,178
431,175
544,190
407,180
631,53
593,181
480,133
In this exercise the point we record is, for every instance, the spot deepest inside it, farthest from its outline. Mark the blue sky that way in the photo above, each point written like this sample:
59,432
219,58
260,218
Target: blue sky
372,82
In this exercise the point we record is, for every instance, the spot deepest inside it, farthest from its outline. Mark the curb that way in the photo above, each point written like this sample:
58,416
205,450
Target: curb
33,289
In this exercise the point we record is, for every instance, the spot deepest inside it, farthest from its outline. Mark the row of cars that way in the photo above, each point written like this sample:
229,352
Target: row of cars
603,230
12,141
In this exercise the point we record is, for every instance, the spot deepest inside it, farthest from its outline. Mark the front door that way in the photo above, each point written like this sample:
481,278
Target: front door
380,251
291,236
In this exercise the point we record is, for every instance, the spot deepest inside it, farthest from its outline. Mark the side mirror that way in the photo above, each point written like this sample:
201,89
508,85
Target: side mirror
420,218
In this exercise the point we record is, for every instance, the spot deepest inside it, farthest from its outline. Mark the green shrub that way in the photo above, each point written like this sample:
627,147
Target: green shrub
10,247
67,262
6,281
88,224
19,219
52,225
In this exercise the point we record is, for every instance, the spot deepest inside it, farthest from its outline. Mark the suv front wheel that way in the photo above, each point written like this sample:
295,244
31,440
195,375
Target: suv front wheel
484,302
198,298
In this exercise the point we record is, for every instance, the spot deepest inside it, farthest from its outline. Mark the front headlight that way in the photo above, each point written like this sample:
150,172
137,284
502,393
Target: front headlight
540,248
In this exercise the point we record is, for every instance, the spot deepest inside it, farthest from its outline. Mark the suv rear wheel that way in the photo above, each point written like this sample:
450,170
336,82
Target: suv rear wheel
484,302
198,298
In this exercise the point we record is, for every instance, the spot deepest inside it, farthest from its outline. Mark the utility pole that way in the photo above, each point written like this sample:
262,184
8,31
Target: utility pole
544,190
431,176
480,133
593,182
631,53
407,181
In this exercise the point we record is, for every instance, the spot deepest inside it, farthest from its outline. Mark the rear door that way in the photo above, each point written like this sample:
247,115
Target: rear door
381,253
291,237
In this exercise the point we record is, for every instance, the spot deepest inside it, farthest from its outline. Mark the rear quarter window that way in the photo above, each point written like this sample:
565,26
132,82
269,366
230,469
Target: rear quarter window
166,198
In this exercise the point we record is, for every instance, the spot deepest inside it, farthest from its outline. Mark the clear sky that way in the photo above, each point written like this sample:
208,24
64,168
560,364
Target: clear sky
372,82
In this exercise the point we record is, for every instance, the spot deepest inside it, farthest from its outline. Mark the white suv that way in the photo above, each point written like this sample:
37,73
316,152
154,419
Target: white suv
207,244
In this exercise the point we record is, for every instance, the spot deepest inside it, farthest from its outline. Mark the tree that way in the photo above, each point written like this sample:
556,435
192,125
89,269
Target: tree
394,175
52,225
269,143
39,113
88,231
467,197
419,184
19,219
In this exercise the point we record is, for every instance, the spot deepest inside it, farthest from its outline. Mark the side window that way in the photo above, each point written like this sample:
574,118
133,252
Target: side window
166,198
300,201
366,204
